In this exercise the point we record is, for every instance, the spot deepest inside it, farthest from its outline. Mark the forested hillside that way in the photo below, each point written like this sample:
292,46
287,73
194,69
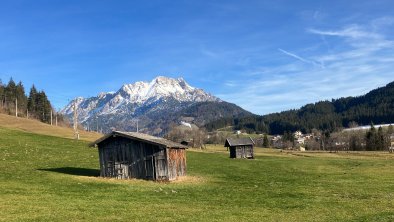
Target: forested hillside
376,106
13,98
199,114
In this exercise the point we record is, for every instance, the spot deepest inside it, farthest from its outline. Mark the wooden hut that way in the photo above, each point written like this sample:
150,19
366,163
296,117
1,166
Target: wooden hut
240,147
125,155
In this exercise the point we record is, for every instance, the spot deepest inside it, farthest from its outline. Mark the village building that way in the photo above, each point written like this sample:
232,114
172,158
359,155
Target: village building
297,134
300,141
240,147
308,136
276,141
126,155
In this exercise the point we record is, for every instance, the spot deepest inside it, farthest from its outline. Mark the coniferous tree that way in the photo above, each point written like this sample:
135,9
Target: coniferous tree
37,104
21,97
32,101
43,107
10,95
375,140
380,139
265,141
370,139
389,132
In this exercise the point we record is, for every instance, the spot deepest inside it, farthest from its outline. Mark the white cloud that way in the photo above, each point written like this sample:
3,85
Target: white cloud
209,53
300,58
230,84
382,22
353,31
358,60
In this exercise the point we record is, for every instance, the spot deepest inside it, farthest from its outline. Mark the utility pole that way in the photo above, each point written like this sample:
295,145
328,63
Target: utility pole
16,107
56,118
27,113
76,133
51,117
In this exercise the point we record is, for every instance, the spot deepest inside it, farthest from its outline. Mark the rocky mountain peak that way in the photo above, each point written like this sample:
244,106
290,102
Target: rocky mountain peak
136,99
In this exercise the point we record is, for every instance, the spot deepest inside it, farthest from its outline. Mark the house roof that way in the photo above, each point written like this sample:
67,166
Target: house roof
141,137
239,141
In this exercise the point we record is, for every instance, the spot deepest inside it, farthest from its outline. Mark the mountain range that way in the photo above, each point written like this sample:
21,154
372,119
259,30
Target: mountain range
154,107
151,107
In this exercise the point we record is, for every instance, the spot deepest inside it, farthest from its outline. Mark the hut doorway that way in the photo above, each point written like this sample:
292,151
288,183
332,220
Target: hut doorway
233,154
160,165
156,165
149,168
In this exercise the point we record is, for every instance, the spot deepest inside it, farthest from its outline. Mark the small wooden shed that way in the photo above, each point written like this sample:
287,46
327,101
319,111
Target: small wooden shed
240,147
125,155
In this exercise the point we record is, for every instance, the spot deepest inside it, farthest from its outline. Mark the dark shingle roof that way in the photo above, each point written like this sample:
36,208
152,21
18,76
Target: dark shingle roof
238,141
141,137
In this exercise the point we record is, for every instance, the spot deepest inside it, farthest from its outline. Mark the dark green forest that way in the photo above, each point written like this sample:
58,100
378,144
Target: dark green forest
376,107
14,99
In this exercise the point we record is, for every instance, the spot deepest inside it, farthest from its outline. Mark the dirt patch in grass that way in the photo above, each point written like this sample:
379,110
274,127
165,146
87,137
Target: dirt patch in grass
190,180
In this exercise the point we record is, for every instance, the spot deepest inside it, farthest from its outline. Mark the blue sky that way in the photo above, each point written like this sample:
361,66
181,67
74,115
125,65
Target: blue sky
266,56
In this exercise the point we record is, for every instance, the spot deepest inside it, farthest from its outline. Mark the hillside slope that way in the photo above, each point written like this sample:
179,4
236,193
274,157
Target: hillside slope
377,106
34,126
198,114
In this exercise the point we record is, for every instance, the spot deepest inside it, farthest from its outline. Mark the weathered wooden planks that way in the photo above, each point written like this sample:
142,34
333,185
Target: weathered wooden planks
245,151
125,158
240,147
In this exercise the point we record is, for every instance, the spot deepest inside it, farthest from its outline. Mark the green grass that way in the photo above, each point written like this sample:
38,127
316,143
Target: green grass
46,178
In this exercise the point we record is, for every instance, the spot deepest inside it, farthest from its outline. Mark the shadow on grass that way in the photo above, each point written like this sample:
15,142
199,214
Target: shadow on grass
77,171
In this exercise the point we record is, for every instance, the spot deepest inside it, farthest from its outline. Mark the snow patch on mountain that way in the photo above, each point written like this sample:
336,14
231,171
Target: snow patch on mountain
186,124
137,99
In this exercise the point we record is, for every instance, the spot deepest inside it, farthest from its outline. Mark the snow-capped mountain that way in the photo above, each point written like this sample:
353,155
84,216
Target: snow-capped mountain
144,102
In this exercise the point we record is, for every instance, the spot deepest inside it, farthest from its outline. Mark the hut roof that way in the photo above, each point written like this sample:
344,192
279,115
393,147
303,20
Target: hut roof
239,141
141,137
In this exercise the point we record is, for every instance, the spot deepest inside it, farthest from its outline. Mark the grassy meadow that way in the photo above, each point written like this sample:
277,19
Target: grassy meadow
35,126
47,178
